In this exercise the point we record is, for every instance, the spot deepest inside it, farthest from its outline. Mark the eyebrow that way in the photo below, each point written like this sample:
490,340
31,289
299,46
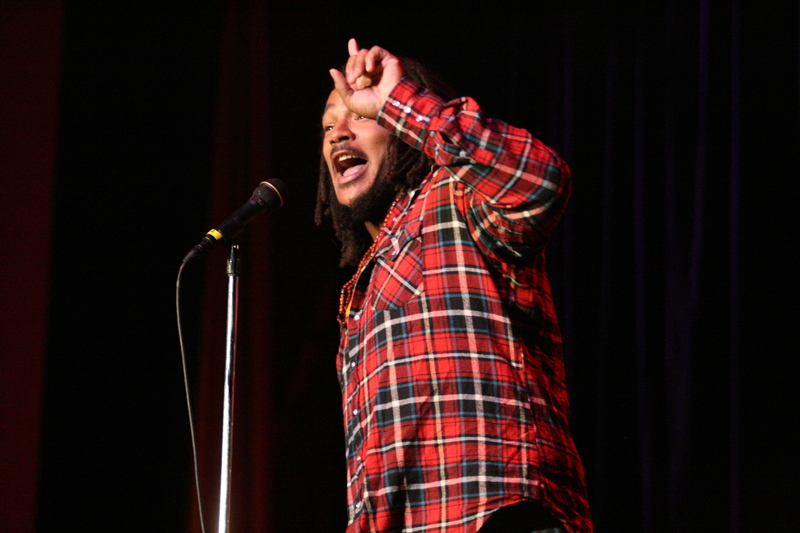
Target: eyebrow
327,108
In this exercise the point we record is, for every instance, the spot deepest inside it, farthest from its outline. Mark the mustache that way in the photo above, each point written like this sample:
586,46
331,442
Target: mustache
345,147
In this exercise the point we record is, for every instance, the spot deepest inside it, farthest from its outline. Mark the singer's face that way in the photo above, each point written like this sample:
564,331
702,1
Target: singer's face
353,148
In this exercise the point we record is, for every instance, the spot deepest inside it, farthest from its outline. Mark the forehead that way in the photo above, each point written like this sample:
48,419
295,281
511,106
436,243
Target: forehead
334,103
334,99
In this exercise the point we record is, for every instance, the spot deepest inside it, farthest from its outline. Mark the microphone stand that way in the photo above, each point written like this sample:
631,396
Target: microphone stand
233,268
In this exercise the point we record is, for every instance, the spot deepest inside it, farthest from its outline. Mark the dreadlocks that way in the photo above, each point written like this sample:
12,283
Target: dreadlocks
402,169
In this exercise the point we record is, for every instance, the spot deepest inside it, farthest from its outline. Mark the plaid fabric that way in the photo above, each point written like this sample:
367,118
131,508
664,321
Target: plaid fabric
450,360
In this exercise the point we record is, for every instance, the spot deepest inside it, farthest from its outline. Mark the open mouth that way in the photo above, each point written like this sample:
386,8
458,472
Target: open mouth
349,164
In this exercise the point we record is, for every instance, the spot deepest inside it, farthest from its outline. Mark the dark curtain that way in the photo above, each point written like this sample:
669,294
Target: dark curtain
132,187
673,270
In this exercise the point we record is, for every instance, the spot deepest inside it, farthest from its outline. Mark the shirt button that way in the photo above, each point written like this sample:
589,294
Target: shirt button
355,412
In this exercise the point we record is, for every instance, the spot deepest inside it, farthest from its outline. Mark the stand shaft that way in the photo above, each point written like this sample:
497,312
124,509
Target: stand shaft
230,368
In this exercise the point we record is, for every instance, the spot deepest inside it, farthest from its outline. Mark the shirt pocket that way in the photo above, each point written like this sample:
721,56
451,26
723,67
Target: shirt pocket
398,274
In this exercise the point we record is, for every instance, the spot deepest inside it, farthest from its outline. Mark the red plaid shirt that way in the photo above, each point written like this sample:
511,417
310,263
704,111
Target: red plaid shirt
450,360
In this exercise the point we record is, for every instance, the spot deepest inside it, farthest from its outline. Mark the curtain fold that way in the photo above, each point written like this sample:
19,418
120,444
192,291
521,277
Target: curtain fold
30,67
241,162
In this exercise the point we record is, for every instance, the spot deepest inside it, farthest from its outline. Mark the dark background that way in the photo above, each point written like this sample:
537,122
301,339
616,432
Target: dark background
128,130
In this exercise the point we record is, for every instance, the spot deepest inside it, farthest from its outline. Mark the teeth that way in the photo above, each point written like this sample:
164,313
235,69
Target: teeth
345,157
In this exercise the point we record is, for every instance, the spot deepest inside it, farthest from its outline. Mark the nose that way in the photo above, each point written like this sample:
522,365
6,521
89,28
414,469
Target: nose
341,131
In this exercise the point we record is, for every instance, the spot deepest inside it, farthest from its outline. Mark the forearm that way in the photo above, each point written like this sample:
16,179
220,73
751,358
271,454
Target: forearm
518,187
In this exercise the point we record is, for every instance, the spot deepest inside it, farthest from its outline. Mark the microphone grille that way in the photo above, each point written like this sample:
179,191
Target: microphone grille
273,191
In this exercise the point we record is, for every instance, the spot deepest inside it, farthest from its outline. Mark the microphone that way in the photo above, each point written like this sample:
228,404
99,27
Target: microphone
267,196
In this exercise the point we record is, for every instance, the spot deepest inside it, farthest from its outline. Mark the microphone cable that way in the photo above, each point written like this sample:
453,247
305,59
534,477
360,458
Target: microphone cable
188,397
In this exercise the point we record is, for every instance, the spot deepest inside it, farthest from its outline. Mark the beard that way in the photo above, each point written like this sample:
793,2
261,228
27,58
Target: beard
402,168
373,205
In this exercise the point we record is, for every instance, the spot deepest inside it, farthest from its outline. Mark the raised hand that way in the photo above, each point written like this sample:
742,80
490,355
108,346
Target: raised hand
369,77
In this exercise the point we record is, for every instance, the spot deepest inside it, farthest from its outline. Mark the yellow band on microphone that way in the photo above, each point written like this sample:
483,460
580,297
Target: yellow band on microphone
214,233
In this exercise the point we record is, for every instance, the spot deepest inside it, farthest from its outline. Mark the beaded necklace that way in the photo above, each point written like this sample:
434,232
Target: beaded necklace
346,296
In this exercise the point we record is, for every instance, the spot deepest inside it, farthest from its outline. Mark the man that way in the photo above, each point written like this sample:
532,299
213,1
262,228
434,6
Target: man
450,358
